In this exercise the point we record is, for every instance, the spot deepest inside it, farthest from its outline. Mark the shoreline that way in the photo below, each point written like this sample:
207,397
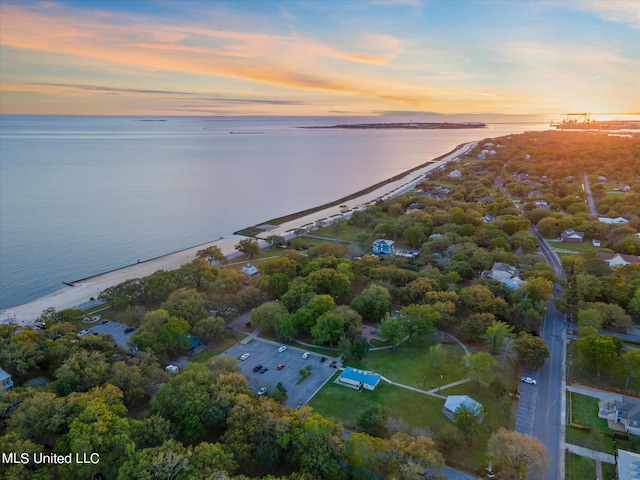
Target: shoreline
80,291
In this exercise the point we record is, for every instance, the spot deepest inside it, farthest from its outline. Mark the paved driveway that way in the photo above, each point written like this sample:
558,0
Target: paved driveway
265,353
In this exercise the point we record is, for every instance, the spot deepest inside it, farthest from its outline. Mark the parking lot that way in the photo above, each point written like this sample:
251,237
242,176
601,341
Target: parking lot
525,417
266,353
114,329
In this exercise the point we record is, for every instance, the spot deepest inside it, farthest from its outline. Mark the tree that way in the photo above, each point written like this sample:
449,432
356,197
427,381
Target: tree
475,325
327,329
267,315
467,418
496,334
187,303
373,303
437,356
23,350
448,438
168,460
532,350
480,367
363,453
414,236
299,293
373,420
210,328
518,454
276,240
80,372
420,319
479,299
393,328
407,457
248,247
212,254
630,365
596,352
590,317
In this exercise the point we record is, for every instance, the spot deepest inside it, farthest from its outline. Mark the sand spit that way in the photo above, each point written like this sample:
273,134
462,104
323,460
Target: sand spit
81,291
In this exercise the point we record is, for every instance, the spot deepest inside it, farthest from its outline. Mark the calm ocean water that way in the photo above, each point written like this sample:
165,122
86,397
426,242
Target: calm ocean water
83,195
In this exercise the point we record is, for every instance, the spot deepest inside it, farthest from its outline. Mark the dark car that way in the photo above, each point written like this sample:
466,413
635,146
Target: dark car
103,322
263,369
323,359
129,330
257,368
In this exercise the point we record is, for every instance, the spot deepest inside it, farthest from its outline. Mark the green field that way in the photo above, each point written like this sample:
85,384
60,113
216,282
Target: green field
581,468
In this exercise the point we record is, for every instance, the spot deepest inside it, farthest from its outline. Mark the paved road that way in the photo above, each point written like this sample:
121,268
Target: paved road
587,189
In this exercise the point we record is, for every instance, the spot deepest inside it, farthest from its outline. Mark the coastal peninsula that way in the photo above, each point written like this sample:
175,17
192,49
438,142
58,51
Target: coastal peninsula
404,126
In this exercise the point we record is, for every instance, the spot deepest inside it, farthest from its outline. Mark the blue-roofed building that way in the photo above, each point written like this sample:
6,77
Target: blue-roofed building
359,379
190,342
454,402
383,247
628,465
5,380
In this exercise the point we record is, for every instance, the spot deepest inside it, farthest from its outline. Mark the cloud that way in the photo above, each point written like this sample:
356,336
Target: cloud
620,11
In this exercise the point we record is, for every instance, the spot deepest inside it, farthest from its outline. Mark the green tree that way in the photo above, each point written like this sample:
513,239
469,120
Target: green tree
496,334
393,328
328,329
467,418
267,315
532,350
169,460
187,303
480,367
414,236
596,352
448,439
518,454
590,317
276,240
80,372
363,453
210,328
373,303
630,365
212,254
24,350
420,319
437,356
248,247
373,420
299,293
475,325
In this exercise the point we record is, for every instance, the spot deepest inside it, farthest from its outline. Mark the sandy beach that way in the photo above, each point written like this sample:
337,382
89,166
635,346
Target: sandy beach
83,290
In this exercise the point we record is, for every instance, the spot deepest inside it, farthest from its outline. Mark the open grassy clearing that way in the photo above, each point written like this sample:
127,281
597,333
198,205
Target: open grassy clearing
580,468
599,442
586,246
409,364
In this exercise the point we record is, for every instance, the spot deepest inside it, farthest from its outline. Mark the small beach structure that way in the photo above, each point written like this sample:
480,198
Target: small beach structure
454,402
383,247
359,379
5,380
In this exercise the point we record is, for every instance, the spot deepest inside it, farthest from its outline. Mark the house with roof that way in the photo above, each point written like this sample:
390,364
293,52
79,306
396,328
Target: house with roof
249,270
505,274
383,247
455,174
5,380
454,402
359,379
541,204
621,414
618,259
628,465
572,236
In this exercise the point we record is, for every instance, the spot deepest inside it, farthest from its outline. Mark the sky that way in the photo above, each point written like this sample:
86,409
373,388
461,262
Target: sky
319,57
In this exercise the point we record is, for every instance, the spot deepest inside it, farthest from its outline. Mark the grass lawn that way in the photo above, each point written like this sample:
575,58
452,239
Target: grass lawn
586,246
343,231
579,468
409,364
583,411
596,441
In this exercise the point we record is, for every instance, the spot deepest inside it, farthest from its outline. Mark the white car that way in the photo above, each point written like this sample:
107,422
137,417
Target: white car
244,356
282,349
82,333
171,368
262,391
305,355
528,380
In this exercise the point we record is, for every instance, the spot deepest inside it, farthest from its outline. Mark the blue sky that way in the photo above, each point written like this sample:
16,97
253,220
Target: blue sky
322,57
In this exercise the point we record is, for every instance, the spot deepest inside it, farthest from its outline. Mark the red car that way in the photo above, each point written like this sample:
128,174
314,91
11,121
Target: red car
281,366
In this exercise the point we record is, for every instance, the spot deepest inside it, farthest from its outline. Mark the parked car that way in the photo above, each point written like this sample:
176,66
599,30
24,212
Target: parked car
82,333
282,349
262,391
280,366
528,380
244,356
171,368
257,368
103,322
306,355
263,369
129,330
